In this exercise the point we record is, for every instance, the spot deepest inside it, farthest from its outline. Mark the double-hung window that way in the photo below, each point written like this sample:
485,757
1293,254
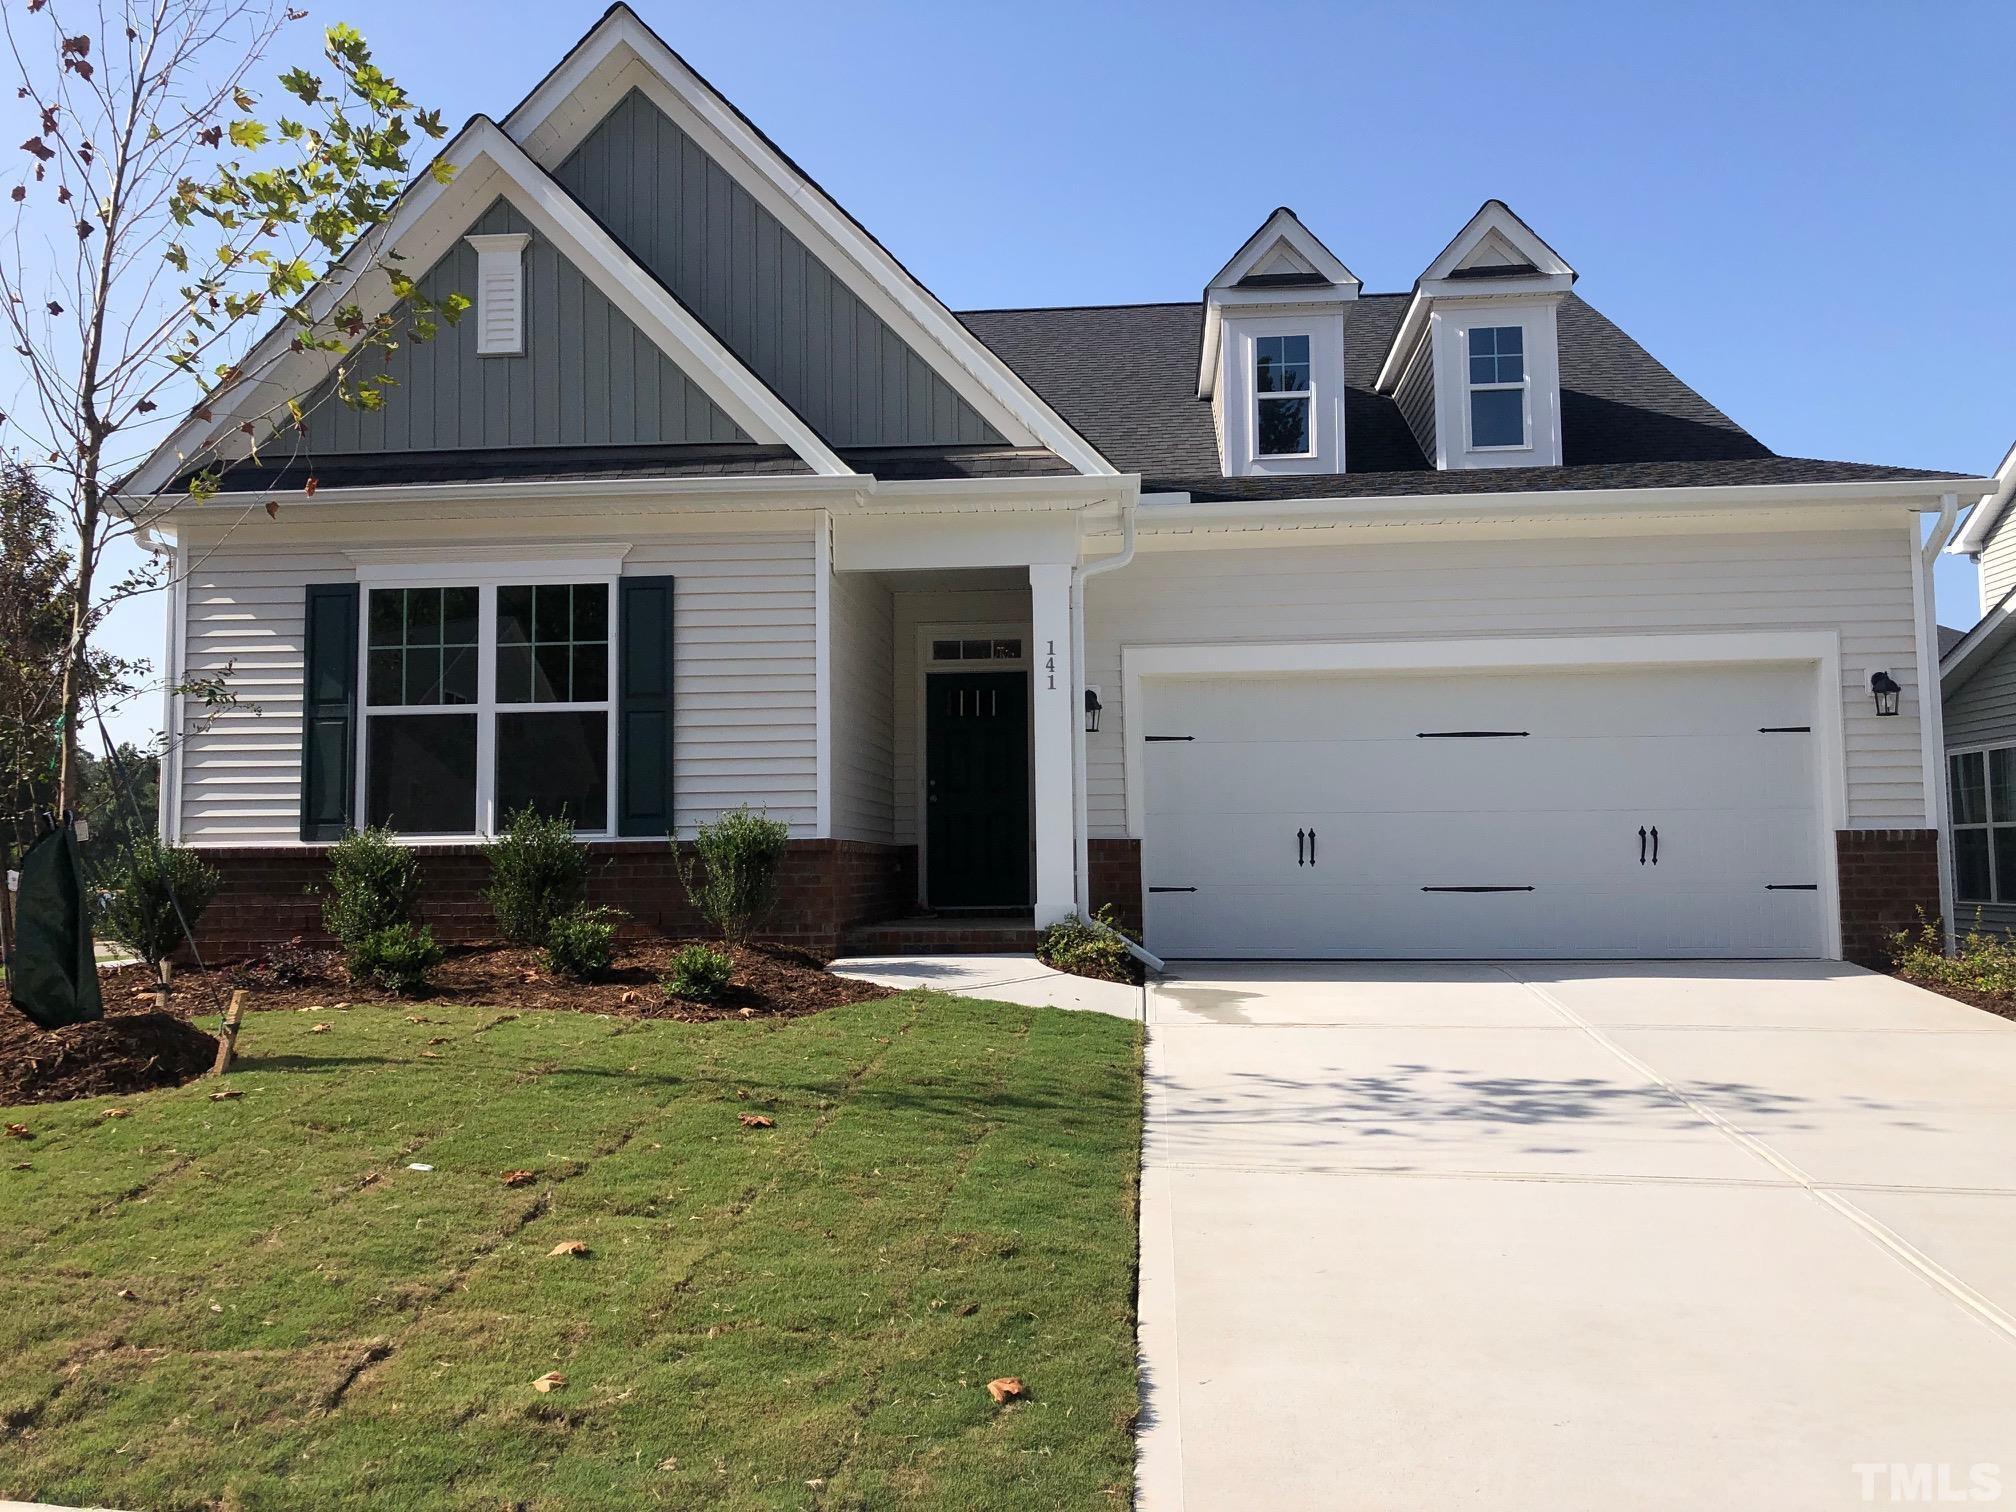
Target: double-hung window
484,699
1982,795
1497,359
1282,396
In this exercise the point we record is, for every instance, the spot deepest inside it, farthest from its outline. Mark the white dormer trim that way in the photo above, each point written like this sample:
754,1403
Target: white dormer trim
1492,238
1282,243
500,292
620,53
426,222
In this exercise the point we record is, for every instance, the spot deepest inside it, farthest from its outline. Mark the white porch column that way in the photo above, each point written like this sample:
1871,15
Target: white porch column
1053,717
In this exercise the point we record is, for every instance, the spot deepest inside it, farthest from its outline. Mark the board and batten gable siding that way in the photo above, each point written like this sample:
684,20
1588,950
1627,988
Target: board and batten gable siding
1998,565
744,691
800,329
1858,583
587,375
864,715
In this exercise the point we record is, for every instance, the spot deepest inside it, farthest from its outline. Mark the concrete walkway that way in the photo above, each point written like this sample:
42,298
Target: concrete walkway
1584,1236
1003,978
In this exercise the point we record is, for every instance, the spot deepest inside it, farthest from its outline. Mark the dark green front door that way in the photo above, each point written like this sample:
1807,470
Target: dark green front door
976,789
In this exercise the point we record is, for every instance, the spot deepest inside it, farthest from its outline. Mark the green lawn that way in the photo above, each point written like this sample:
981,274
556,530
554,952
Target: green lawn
800,1316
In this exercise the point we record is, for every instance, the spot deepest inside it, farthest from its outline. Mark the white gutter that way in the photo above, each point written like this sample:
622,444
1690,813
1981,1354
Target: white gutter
1983,517
1080,816
1931,704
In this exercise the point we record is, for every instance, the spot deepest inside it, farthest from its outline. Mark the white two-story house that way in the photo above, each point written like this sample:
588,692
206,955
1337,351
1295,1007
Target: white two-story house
1293,620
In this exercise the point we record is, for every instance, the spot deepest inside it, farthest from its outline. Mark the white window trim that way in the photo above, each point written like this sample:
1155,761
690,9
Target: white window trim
487,706
1987,826
1312,446
501,255
1524,386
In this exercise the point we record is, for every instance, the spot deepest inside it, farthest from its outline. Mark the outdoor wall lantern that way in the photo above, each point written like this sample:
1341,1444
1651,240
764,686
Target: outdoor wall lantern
1885,689
1092,707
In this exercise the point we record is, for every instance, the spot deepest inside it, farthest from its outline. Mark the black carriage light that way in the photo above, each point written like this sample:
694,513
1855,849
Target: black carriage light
1092,707
1885,689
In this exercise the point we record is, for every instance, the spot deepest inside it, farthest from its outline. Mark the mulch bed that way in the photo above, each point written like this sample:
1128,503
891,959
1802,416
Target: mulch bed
132,1049
1987,1002
770,981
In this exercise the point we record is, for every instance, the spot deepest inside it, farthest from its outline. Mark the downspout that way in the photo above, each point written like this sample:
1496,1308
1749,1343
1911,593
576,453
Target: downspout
1931,705
1080,806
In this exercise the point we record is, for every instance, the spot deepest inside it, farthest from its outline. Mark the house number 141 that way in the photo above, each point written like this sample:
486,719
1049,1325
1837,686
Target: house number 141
1050,662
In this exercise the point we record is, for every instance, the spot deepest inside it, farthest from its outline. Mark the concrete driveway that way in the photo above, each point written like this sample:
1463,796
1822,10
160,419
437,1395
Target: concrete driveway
1576,1236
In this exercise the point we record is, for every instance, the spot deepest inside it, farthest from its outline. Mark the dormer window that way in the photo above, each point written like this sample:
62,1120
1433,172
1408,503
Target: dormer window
1282,395
1497,386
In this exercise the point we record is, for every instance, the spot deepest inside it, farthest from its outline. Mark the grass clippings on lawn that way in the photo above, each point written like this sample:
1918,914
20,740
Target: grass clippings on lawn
324,1293
770,981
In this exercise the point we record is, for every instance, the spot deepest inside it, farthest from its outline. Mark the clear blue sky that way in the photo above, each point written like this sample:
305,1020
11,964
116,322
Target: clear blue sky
1807,211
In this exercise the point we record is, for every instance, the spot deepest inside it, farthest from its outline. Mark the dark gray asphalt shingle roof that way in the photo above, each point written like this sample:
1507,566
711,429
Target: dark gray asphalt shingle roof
1125,377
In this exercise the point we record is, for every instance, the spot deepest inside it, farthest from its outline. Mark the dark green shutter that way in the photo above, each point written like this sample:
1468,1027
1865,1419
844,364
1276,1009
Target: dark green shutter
329,711
644,709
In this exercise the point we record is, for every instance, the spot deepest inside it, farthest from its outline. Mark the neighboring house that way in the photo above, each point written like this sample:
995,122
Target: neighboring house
1436,623
1977,682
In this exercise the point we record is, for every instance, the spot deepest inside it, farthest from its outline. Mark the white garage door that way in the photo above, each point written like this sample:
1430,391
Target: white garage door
1586,814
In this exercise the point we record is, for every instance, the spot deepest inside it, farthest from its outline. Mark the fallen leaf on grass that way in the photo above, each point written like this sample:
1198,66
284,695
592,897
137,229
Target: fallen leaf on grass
22,1165
757,1121
416,1018
1003,1387
567,1247
216,1307
439,1039
430,1055
226,1095
816,1483
318,1028
20,1131
118,1113
670,1462
127,1294
748,1013
518,1178
551,1381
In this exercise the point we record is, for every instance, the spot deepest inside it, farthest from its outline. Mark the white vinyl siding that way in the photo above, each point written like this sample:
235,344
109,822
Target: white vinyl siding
1998,566
1855,582
1416,398
864,718
744,695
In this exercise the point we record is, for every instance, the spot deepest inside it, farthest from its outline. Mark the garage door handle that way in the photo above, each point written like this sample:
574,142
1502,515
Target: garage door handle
1312,845
1641,845
1655,845
1298,847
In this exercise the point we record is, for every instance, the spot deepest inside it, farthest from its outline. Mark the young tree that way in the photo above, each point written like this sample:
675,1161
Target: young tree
164,222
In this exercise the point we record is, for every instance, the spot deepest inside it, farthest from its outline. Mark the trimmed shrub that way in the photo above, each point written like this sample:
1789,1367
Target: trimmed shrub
699,972
1980,963
538,874
732,878
142,888
397,958
373,884
1098,949
582,944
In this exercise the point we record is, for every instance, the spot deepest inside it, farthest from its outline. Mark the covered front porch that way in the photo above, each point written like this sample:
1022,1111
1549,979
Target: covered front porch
956,715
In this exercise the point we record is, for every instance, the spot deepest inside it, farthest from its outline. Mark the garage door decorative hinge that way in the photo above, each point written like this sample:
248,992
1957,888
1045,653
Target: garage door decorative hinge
1791,887
1168,737
1471,734
1477,889
1785,729
1172,889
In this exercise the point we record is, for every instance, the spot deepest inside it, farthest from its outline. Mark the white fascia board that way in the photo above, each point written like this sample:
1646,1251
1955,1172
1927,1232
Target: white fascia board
1978,646
1972,538
1496,216
1413,330
1909,495
489,163
569,102
1284,225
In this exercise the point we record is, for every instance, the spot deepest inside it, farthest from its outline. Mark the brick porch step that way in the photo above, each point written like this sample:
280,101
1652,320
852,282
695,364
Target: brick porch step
960,934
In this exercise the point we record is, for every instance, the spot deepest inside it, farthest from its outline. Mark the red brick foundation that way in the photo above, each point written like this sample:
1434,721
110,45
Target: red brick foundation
1116,878
1889,882
827,886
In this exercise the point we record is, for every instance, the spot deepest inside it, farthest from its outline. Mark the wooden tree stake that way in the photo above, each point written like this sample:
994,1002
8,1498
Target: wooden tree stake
227,1044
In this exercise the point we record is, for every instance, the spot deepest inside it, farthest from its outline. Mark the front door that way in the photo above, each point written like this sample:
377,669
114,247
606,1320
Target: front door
976,789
